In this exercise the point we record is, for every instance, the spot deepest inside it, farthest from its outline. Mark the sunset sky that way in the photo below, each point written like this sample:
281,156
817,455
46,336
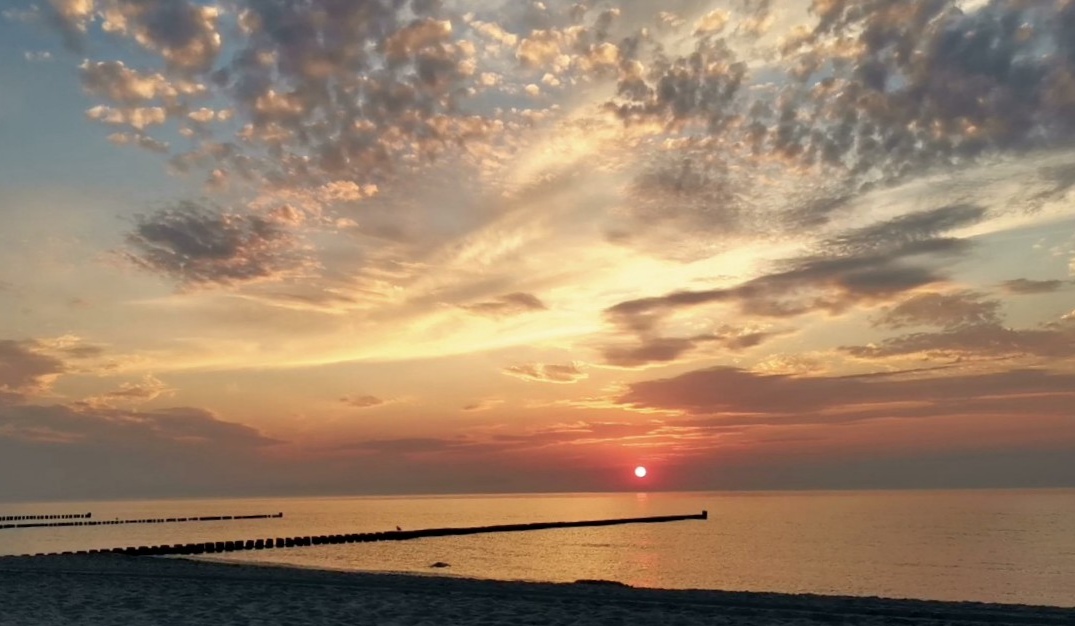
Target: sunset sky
423,246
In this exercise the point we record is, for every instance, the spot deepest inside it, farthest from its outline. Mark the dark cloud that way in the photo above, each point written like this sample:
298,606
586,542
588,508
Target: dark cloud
658,350
180,426
407,445
198,246
363,402
946,310
1025,286
547,373
978,340
903,233
25,370
507,305
748,398
481,405
1058,180
83,452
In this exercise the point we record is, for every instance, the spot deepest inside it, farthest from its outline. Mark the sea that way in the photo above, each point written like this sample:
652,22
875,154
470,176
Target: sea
1015,547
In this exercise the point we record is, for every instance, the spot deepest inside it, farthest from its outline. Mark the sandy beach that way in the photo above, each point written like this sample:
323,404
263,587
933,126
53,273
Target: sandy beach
108,589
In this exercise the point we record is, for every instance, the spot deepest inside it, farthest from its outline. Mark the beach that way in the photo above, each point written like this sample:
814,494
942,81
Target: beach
115,589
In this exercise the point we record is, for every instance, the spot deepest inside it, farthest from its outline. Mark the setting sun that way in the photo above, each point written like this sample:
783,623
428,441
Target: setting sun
640,472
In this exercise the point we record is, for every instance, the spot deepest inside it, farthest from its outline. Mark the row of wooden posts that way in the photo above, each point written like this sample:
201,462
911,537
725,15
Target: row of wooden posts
160,520
210,547
21,518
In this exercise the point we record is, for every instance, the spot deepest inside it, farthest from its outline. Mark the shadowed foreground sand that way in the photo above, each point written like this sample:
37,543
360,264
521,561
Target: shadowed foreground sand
106,589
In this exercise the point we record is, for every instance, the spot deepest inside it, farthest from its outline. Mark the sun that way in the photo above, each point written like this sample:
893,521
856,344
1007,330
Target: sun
640,472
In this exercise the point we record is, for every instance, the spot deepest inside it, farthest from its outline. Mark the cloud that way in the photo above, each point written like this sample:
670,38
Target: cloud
650,350
201,246
114,81
148,389
363,402
946,310
903,232
78,451
746,398
874,91
25,370
482,405
178,426
928,84
547,373
507,305
865,266
406,445
136,117
988,339
140,140
1025,286
68,347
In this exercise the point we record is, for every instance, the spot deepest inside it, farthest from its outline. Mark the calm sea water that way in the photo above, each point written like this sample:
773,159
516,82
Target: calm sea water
991,546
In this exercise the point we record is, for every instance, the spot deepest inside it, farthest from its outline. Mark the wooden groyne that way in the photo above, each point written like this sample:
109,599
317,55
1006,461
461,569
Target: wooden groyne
159,520
210,547
63,516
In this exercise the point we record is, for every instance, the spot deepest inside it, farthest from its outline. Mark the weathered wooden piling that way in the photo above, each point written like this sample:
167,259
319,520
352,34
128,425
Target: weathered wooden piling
25,521
398,535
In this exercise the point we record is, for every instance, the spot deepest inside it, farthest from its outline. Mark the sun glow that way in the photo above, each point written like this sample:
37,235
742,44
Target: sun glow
640,472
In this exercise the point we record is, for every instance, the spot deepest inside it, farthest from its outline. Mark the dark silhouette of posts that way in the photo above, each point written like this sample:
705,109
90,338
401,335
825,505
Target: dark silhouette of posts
396,535
54,516
28,521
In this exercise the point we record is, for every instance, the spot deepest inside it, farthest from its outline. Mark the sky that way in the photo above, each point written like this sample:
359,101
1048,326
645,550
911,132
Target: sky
283,247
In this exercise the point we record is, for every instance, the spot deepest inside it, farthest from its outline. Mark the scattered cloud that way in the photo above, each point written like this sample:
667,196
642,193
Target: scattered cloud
547,373
483,405
1025,286
507,305
363,401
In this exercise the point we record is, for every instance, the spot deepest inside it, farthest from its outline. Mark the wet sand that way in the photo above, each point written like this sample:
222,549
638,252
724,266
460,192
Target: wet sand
114,589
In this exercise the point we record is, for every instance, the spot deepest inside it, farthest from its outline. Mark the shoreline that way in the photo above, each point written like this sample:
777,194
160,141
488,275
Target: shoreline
116,589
